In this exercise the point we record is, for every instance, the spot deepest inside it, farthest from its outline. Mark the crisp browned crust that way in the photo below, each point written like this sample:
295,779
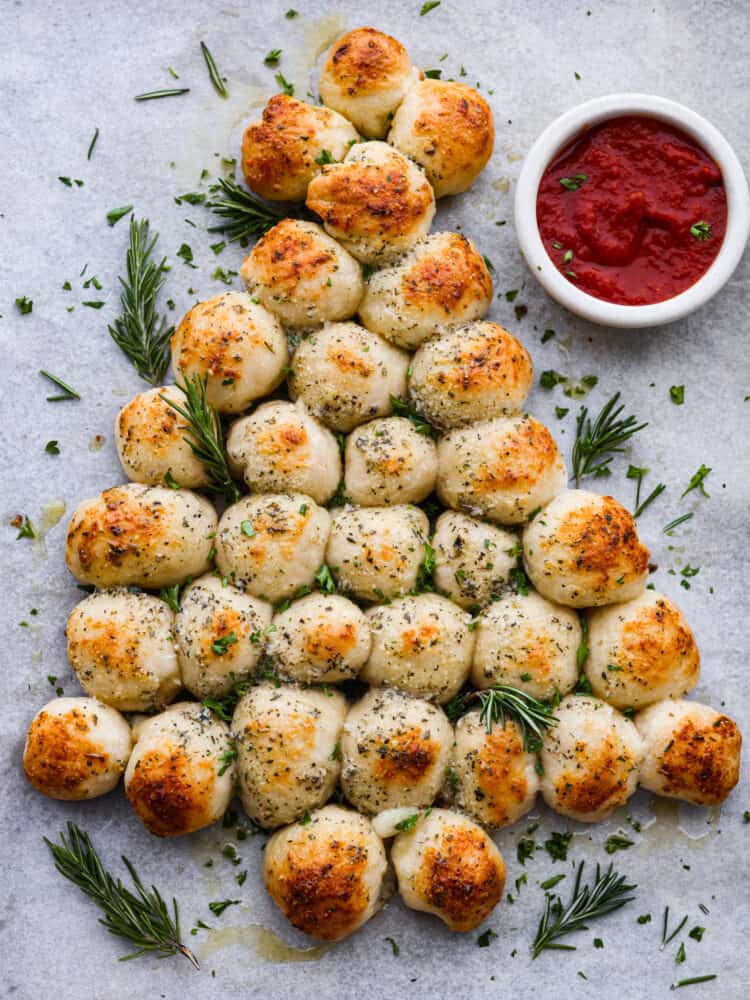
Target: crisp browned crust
601,538
60,757
458,122
524,458
149,422
461,878
657,645
499,770
701,763
483,363
600,779
213,338
171,792
366,59
405,758
328,640
450,280
114,527
286,255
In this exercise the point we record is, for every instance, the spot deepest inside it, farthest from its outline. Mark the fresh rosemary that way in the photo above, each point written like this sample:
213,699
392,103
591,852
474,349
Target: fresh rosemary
503,702
213,71
154,95
244,214
609,892
66,391
205,434
140,332
597,443
141,917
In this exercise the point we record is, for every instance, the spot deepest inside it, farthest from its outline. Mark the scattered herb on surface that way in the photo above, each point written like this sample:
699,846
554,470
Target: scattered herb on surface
24,305
677,394
154,95
52,448
213,72
272,59
394,946
557,845
617,842
94,138
484,939
697,481
428,6
67,392
218,907
676,523
285,86
693,981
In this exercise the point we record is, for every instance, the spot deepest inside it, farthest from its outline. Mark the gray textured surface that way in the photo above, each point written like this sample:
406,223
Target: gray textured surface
70,67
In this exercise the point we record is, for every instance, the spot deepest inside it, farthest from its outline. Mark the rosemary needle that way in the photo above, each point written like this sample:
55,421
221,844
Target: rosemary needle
67,391
205,434
244,214
140,332
92,144
141,917
154,95
597,443
213,72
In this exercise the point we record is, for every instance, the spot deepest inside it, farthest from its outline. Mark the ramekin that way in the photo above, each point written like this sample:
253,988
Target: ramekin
559,134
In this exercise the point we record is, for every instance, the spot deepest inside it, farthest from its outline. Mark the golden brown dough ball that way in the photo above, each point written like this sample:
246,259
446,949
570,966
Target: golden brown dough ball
280,448
501,469
76,748
272,544
287,759
283,151
375,553
377,203
388,461
421,645
326,874
474,373
447,865
438,285
346,375
220,634
302,276
151,442
121,646
583,550
394,751
448,128
320,639
238,345
641,651
146,536
590,759
365,77
529,643
180,775
692,752
495,779
473,559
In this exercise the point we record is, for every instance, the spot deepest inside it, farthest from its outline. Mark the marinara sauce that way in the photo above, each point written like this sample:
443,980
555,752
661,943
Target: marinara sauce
633,211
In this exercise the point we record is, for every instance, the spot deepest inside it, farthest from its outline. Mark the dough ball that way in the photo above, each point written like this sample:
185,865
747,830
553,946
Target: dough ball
388,462
280,448
583,550
121,646
151,444
472,374
421,645
286,148
473,559
529,643
320,639
501,469
641,651
495,779
692,752
142,536
365,77
375,553
438,285
238,345
346,375
302,276
326,874
180,774
447,865
377,203
395,750
273,544
590,759
287,761
448,128
76,748
220,635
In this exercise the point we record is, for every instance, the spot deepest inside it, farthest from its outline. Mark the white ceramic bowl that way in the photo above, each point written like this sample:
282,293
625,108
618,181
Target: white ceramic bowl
560,133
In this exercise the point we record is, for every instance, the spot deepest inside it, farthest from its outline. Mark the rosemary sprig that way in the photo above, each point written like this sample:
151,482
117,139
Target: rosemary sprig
609,892
213,72
245,214
502,702
205,434
140,332
597,443
141,917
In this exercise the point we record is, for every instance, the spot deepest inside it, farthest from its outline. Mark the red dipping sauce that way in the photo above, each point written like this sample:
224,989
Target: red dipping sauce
633,211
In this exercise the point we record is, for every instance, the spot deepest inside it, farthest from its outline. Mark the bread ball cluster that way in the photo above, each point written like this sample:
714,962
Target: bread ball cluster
354,400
